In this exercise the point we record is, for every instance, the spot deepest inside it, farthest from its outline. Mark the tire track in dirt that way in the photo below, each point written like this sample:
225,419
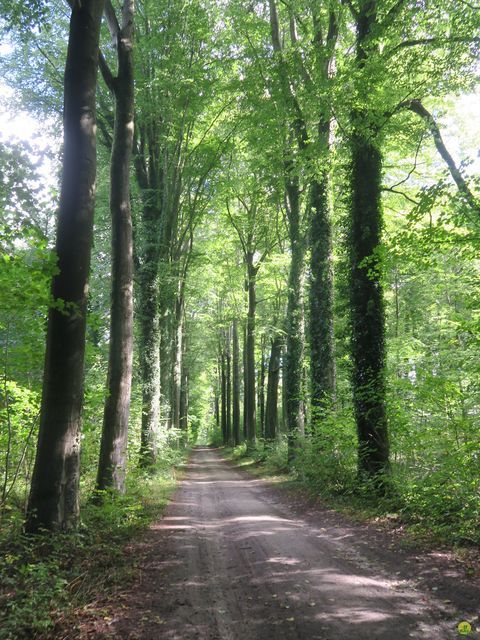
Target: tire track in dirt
229,561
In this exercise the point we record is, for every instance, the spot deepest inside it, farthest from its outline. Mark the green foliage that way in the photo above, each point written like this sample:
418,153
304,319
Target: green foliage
26,267
23,16
44,578
442,494
212,127
327,461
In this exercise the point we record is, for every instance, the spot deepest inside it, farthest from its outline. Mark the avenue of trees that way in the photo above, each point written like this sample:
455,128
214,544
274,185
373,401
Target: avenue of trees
265,236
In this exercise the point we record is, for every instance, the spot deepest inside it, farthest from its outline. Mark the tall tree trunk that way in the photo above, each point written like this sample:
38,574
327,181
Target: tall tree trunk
184,403
236,385
271,411
166,354
150,340
261,388
294,393
228,374
368,320
53,501
184,385
216,407
293,366
113,448
149,179
245,382
250,354
322,360
177,355
223,396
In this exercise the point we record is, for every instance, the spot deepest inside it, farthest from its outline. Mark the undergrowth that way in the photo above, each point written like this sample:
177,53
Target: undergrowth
43,578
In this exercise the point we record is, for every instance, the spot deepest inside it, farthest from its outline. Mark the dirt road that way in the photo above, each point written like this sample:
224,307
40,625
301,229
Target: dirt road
231,560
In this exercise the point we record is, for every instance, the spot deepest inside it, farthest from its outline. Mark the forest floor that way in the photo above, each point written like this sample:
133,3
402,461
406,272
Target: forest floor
236,558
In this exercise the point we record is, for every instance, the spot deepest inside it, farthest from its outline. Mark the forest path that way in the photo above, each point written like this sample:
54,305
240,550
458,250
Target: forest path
231,560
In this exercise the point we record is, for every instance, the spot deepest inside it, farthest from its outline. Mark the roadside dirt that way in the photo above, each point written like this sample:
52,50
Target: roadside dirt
233,559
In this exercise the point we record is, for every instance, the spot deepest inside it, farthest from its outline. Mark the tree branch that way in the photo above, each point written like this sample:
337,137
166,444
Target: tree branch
298,58
317,29
429,41
332,33
106,72
470,5
112,21
392,14
298,122
353,11
413,169
417,107
237,229
401,193
274,27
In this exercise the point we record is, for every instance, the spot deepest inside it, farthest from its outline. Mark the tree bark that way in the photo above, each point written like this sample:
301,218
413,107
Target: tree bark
223,397
271,410
166,344
261,388
294,393
113,448
245,382
250,353
228,374
216,407
177,355
322,358
366,295
417,107
150,339
184,404
236,385
53,501
149,179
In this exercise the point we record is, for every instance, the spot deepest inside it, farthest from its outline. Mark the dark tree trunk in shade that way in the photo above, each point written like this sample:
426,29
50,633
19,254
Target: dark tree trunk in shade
366,296
223,405
177,358
271,410
184,403
245,381
321,333
293,368
149,339
294,325
283,387
53,501
235,385
216,409
228,374
250,354
166,354
113,448
150,181
368,320
184,390
321,290
261,388
322,360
